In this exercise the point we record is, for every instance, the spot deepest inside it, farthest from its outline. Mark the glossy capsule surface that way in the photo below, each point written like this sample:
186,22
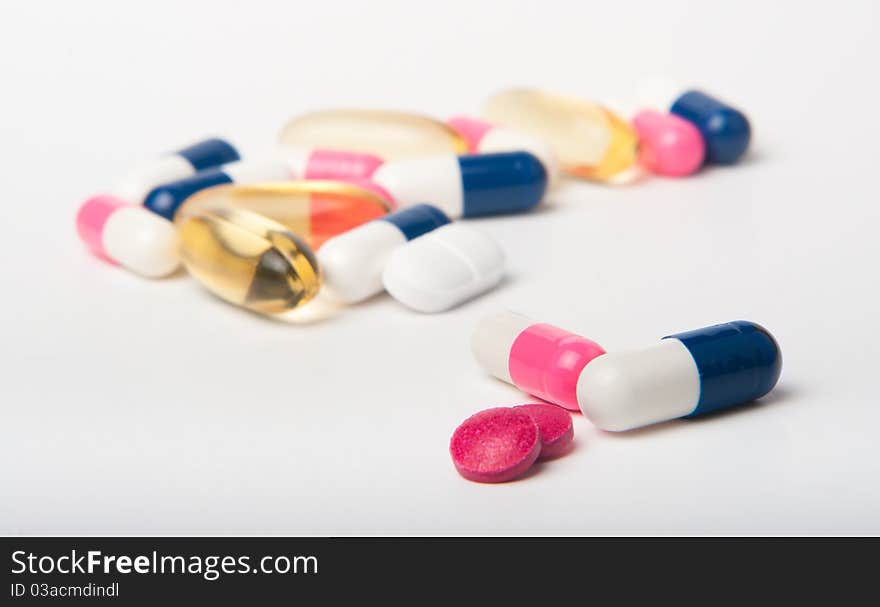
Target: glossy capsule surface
683,375
248,260
313,210
389,134
589,140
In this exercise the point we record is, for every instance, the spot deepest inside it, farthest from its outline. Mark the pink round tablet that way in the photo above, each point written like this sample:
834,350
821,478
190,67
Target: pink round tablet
668,145
554,427
495,445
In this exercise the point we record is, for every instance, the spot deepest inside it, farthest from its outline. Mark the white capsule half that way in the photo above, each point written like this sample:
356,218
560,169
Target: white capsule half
352,263
444,268
625,390
433,179
129,235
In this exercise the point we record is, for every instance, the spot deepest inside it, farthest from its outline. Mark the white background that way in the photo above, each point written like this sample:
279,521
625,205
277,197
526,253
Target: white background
137,407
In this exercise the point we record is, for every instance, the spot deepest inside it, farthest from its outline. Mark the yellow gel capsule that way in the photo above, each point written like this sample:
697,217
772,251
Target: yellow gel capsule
313,210
388,134
248,260
589,140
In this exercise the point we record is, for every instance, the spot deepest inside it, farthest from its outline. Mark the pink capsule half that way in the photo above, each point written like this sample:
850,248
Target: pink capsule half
537,358
668,145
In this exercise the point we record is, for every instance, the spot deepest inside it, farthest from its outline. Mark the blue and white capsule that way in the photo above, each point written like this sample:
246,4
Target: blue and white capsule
352,263
171,167
683,375
165,199
467,186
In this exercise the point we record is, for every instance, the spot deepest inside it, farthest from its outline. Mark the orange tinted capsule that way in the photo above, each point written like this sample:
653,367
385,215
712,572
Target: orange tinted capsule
313,210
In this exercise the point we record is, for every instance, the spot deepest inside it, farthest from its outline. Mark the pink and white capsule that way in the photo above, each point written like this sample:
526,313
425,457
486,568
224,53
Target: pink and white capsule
485,138
537,358
129,235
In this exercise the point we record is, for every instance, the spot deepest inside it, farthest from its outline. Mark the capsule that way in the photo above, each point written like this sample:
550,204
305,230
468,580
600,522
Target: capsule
537,358
389,135
668,145
352,263
467,186
313,210
683,375
304,164
443,268
179,165
725,129
483,138
589,140
248,260
129,235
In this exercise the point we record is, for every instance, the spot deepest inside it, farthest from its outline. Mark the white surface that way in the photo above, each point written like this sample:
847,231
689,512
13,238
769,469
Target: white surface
133,406
352,263
141,241
493,339
444,268
435,180
633,388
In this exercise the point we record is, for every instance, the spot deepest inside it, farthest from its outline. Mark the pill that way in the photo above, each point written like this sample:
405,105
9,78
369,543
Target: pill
129,235
725,129
352,263
313,210
589,140
389,135
554,427
443,268
483,138
248,260
467,186
683,375
537,358
495,445
178,165
668,145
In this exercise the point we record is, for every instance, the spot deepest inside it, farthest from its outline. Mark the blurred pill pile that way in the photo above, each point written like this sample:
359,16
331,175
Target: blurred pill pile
350,203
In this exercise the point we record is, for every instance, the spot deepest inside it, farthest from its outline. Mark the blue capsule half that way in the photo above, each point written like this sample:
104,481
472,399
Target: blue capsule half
725,129
209,153
165,199
417,220
737,361
501,183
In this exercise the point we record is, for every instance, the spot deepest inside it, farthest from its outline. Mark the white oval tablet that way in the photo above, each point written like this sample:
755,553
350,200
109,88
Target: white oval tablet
443,268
